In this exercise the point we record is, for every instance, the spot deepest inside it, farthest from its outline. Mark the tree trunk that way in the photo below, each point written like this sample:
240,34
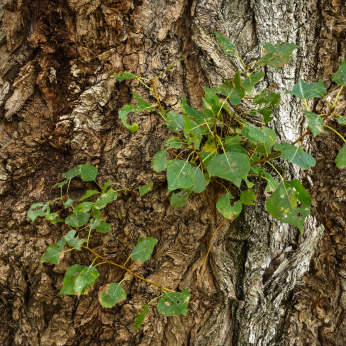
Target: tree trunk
264,283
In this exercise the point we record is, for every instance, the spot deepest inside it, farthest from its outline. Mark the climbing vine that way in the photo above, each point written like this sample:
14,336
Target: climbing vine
219,144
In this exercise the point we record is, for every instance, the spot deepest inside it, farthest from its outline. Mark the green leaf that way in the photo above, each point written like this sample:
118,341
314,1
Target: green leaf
272,184
179,175
61,184
124,76
266,112
340,75
88,194
107,183
341,158
225,44
85,280
88,172
94,223
143,190
173,304
224,207
175,122
70,279
72,173
174,142
56,220
33,212
295,155
77,219
233,90
192,132
51,216
104,227
248,197
308,90
141,316
200,183
105,198
68,203
341,120
212,103
111,294
143,249
95,213
207,157
277,55
267,97
141,103
270,141
179,199
123,113
315,122
197,116
230,166
159,162
282,204
53,252
250,81
209,145
254,134
83,207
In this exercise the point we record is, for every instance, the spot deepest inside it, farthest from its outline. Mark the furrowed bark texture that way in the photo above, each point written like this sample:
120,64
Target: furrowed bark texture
264,283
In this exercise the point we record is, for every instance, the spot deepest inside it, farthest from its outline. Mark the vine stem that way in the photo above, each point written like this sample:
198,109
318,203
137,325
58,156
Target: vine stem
336,132
206,257
128,270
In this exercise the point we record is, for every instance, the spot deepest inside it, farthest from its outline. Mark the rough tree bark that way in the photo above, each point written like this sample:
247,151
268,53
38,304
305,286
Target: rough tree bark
265,284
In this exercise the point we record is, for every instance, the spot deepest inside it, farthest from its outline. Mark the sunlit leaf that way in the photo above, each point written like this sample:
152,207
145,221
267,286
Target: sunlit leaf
143,190
111,294
143,249
282,204
192,132
159,162
224,207
295,155
123,113
173,304
179,175
267,97
254,134
308,90
233,90
36,211
61,184
248,197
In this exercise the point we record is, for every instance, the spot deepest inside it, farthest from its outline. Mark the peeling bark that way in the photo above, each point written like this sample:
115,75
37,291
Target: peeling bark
264,283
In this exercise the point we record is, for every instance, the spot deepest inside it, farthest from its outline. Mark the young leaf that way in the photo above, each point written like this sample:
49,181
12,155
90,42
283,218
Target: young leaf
143,249
111,294
83,207
248,197
88,194
61,184
224,207
53,252
123,113
192,132
340,75
308,90
107,183
250,81
106,198
174,142
88,172
124,76
70,279
104,227
179,175
72,173
341,158
200,183
141,316
77,219
267,97
277,55
175,122
85,279
70,235
143,190
230,166
141,103
179,199
233,90
295,155
225,44
33,212
159,162
315,122
282,204
68,203
173,304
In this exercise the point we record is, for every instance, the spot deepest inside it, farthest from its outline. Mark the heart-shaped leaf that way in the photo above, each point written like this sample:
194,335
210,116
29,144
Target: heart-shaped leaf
308,90
85,280
83,207
315,122
179,199
340,75
111,294
70,279
295,155
248,197
200,183
277,55
250,81
88,172
143,190
106,198
77,219
224,207
72,173
175,122
173,304
174,142
341,158
225,44
159,162
179,175
104,227
143,249
88,194
53,252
